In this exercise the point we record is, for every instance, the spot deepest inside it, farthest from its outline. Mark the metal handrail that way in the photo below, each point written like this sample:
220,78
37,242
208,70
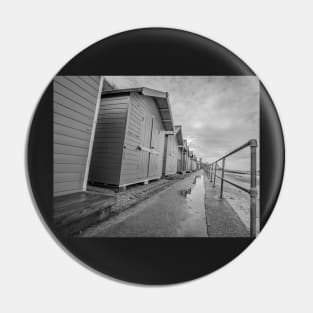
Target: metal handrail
252,191
235,185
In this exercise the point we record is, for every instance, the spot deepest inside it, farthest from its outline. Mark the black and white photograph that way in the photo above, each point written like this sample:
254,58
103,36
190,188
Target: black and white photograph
156,156
146,145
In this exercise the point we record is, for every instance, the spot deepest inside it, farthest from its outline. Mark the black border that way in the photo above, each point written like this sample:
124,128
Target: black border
154,51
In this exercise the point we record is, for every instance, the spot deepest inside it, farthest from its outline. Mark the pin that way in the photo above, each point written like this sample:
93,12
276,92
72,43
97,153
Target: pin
163,149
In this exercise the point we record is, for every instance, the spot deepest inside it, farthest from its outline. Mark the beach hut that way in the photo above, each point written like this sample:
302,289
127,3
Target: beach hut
130,134
181,150
188,160
75,103
185,154
192,162
195,162
173,151
170,154
199,160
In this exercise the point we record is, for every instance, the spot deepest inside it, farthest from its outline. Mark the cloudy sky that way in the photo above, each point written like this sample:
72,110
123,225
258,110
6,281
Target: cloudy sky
217,113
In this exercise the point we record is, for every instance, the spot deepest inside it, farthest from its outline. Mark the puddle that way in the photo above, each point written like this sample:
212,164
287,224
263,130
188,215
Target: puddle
196,177
187,193
195,222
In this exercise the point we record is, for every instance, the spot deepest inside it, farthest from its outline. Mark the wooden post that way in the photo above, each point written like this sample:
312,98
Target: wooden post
214,174
211,177
222,180
93,132
253,191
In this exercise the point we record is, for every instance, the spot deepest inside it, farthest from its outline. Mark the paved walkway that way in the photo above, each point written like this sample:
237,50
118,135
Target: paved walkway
188,208
175,212
222,220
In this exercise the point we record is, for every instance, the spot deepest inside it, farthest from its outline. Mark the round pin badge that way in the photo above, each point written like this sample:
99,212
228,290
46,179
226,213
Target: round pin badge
155,156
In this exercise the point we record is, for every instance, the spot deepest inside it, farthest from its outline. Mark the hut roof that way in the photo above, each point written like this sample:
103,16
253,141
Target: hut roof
161,99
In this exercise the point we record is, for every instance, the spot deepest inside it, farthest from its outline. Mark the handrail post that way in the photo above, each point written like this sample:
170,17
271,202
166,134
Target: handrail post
214,174
222,180
211,176
253,190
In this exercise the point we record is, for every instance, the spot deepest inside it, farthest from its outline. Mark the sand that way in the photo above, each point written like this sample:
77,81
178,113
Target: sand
238,199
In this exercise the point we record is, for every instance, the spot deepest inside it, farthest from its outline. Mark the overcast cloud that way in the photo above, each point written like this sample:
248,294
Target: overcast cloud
217,113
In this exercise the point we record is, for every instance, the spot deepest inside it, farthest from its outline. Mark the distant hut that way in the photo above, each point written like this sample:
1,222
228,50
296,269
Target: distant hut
195,163
198,163
188,160
192,161
130,134
181,150
172,151
185,152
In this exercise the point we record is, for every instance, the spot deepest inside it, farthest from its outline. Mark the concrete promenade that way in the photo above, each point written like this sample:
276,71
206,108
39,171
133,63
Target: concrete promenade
188,208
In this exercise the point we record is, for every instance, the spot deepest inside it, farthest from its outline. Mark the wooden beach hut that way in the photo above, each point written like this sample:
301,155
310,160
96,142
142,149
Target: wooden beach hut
194,164
173,151
181,150
199,160
188,160
192,161
185,151
170,154
75,103
130,134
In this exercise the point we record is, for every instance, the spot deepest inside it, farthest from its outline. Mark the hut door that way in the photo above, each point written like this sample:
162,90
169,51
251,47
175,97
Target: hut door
154,154
145,139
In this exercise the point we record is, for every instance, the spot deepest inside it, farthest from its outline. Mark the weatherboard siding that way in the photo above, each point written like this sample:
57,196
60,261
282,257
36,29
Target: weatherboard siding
180,160
135,162
105,166
74,105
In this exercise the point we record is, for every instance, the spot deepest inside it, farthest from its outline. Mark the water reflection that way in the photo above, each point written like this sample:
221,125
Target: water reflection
188,192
